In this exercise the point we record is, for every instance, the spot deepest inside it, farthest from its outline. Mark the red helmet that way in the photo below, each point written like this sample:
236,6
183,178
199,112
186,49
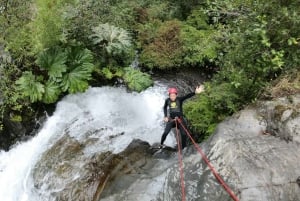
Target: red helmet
172,91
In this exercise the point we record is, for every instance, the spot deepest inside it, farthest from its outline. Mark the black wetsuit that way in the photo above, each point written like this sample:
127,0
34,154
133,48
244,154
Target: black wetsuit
175,109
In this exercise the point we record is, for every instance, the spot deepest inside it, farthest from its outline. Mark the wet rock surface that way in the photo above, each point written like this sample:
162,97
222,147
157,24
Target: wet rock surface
64,172
256,152
185,80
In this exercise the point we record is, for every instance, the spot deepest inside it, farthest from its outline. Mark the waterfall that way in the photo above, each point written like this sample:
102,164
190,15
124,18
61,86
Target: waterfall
127,115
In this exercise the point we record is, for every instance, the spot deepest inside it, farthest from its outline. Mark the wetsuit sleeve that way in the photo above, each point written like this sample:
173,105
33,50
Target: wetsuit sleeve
166,108
183,98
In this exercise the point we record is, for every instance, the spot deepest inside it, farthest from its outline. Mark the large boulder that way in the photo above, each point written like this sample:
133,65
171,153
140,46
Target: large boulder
66,172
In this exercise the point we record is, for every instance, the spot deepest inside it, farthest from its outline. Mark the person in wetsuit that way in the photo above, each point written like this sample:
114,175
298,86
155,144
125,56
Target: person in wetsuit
174,104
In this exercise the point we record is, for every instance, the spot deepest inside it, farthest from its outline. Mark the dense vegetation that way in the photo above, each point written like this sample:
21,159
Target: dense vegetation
53,48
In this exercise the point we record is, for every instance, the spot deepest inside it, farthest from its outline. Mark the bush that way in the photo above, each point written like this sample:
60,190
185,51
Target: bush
165,51
137,80
257,47
15,18
66,70
12,105
199,46
172,44
47,28
114,41
211,107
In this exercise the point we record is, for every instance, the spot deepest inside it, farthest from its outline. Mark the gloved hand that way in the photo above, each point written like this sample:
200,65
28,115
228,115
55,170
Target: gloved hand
166,119
199,89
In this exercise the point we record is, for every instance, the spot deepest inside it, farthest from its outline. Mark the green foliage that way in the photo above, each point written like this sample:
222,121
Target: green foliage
80,68
266,28
161,10
107,73
113,39
198,19
148,32
111,73
165,50
258,43
184,8
51,93
15,15
48,26
11,104
219,101
85,14
199,46
54,61
250,43
201,116
30,86
137,80
68,70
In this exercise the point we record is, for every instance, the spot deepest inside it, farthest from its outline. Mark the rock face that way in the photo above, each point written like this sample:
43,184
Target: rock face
256,152
65,172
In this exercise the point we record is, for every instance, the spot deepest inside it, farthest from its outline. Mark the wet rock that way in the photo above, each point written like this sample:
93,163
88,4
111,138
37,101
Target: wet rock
257,167
19,131
184,79
282,118
249,150
79,176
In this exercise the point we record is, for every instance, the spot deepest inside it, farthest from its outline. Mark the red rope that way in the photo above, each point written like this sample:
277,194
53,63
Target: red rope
180,163
218,177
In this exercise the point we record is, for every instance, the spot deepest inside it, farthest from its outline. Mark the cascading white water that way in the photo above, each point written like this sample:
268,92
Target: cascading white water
112,109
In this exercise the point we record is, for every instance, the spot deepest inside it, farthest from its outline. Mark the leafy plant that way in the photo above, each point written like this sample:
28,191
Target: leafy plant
80,68
137,80
198,19
165,51
31,86
111,73
68,70
15,17
52,92
48,26
211,107
199,46
113,39
256,48
12,106
54,61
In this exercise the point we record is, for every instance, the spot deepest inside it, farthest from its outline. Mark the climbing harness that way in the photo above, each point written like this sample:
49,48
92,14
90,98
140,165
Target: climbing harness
215,173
